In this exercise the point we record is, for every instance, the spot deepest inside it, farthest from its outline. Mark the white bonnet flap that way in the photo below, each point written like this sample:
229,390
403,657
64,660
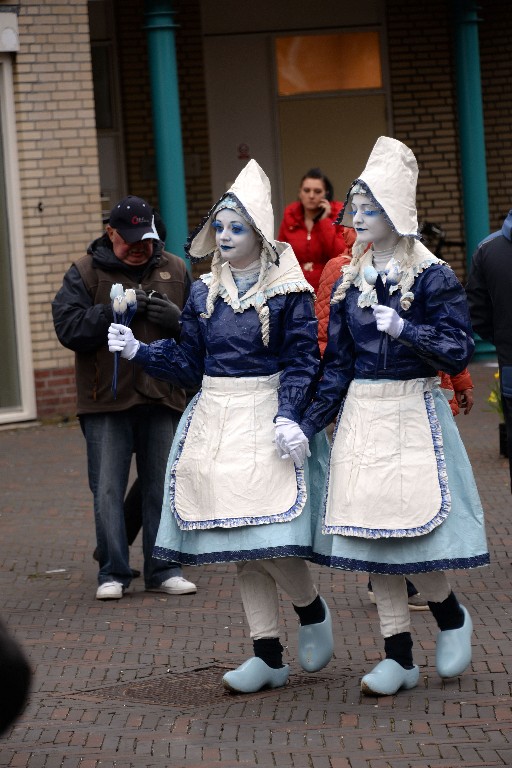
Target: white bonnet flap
391,175
251,194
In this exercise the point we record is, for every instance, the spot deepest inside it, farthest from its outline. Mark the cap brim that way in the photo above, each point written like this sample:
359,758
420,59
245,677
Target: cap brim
134,235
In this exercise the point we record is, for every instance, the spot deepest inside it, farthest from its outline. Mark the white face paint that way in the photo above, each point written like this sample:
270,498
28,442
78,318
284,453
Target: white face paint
238,242
370,224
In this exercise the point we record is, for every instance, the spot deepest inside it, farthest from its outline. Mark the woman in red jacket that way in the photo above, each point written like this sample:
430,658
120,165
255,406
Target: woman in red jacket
308,226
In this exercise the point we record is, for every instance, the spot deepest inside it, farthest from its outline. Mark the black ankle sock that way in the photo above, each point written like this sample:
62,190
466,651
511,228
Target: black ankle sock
314,613
269,650
448,614
399,648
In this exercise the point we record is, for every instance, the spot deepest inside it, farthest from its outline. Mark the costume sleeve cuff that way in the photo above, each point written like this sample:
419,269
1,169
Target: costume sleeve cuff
142,354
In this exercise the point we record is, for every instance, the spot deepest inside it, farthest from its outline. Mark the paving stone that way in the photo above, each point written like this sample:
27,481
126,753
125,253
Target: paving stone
85,653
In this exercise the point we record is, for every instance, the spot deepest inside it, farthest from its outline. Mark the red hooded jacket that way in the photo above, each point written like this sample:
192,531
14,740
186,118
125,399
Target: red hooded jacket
313,249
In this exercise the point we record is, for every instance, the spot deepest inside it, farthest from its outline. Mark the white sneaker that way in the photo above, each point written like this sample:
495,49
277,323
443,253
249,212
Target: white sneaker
175,585
110,590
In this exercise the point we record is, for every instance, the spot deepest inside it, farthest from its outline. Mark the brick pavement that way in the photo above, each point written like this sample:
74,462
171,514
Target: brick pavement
135,683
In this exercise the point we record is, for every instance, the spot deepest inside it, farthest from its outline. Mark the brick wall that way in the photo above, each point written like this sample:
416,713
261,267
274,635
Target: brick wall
56,392
136,101
58,153
496,68
425,110
57,137
57,159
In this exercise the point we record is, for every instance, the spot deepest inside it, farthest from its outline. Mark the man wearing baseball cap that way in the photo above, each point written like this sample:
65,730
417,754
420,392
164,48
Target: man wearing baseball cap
133,219
141,419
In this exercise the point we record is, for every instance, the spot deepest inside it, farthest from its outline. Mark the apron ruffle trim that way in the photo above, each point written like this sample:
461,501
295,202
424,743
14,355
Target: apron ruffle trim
257,299
379,533
231,522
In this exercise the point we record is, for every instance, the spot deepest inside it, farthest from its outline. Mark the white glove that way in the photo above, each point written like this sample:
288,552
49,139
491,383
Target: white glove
388,320
291,442
121,339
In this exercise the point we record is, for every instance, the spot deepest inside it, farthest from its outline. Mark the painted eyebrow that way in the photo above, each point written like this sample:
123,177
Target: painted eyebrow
232,221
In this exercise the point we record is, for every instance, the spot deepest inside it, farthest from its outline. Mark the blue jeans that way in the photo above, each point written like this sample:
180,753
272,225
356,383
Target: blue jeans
507,413
112,438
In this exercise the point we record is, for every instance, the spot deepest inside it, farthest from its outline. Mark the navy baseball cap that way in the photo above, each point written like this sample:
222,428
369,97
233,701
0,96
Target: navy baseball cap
133,218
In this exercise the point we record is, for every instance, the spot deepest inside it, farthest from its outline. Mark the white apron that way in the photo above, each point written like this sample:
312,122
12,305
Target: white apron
227,472
387,473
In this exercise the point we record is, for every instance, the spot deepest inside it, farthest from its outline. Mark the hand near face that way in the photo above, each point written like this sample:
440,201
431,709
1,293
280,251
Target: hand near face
324,209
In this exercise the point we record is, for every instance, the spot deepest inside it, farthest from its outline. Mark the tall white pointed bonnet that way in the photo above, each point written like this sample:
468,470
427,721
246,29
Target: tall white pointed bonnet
391,175
250,196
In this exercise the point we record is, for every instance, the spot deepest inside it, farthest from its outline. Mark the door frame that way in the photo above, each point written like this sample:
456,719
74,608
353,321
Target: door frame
26,410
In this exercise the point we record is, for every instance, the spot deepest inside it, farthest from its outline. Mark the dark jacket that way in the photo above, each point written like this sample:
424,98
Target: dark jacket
489,291
230,344
82,313
436,335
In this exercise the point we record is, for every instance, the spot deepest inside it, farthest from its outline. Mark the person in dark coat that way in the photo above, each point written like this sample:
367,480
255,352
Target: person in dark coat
143,415
489,292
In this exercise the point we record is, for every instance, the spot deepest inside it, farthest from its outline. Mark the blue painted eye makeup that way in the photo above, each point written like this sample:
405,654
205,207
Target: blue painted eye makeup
369,212
237,229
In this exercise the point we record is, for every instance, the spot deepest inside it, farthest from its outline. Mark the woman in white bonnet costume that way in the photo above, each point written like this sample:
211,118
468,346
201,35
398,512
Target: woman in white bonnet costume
232,493
401,497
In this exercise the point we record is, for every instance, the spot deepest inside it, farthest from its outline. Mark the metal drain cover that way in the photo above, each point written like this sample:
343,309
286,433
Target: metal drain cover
197,687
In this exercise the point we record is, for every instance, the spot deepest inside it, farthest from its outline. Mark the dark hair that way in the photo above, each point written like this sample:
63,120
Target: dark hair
316,173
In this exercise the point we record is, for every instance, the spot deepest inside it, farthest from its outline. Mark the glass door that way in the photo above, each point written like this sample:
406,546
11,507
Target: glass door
331,103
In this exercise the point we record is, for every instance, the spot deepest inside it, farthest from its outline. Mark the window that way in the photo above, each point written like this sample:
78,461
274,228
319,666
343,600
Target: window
343,61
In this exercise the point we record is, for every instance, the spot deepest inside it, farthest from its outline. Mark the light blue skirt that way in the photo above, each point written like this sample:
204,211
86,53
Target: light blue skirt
458,542
293,538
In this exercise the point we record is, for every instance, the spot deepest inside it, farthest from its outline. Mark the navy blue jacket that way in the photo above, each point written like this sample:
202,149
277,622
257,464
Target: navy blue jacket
436,336
230,344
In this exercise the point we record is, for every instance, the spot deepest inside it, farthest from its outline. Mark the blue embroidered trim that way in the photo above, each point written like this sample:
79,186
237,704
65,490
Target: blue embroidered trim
420,530
236,556
231,522
367,566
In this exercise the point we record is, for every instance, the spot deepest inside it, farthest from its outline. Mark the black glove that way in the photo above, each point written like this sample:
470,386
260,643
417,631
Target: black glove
142,301
164,312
